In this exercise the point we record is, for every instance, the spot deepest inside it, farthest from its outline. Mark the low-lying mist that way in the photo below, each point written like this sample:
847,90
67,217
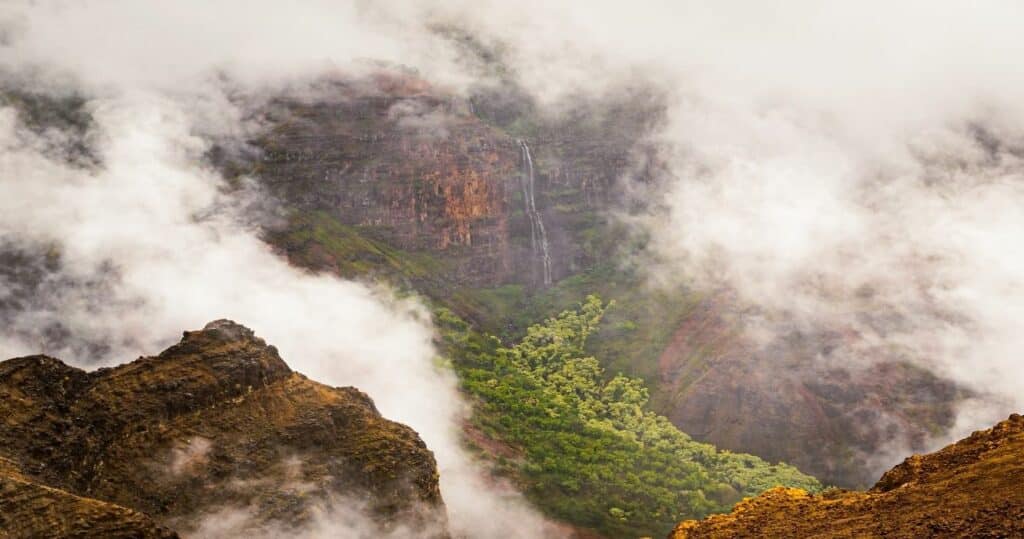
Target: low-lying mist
138,238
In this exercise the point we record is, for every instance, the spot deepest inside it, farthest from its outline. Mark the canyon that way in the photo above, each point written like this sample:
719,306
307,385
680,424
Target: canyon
506,214
454,269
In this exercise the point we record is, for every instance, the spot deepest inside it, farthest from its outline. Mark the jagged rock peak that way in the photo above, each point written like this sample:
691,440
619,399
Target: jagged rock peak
965,452
226,331
216,421
231,330
231,351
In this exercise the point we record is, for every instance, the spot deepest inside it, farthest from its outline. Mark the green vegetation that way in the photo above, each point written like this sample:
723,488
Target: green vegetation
562,407
592,451
593,454
317,239
633,333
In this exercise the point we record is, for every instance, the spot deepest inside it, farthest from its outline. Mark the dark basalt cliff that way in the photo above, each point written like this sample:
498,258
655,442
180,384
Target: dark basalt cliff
969,489
216,422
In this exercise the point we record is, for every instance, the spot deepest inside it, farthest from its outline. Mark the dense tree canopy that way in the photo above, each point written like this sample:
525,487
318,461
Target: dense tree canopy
594,454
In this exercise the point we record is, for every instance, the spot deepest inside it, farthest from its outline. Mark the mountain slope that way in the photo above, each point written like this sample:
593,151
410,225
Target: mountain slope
801,398
28,509
969,489
216,422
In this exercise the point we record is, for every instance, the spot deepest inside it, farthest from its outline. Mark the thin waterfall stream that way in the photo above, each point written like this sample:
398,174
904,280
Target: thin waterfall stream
538,234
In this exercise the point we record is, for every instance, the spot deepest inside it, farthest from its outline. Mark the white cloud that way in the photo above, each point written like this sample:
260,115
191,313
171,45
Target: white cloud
153,224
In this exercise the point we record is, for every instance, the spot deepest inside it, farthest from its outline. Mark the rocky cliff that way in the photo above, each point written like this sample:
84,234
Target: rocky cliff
391,175
969,489
217,422
388,156
427,171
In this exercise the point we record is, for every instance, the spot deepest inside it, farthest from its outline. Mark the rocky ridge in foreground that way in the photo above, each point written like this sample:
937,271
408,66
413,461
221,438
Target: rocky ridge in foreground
968,489
215,424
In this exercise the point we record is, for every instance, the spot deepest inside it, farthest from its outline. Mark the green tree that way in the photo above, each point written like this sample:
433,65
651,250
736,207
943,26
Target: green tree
595,455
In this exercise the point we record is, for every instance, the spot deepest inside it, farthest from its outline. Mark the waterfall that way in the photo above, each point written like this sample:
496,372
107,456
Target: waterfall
538,235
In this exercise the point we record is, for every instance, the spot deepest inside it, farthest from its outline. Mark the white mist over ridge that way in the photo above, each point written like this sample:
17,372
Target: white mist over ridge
136,219
167,243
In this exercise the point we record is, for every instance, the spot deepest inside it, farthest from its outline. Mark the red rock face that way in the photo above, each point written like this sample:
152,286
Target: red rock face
415,168
424,171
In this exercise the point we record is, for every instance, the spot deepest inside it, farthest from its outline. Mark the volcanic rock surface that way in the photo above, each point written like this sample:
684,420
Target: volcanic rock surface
29,509
969,489
217,422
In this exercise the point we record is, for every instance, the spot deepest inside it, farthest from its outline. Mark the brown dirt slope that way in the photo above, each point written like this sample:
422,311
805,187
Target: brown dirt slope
969,489
217,421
